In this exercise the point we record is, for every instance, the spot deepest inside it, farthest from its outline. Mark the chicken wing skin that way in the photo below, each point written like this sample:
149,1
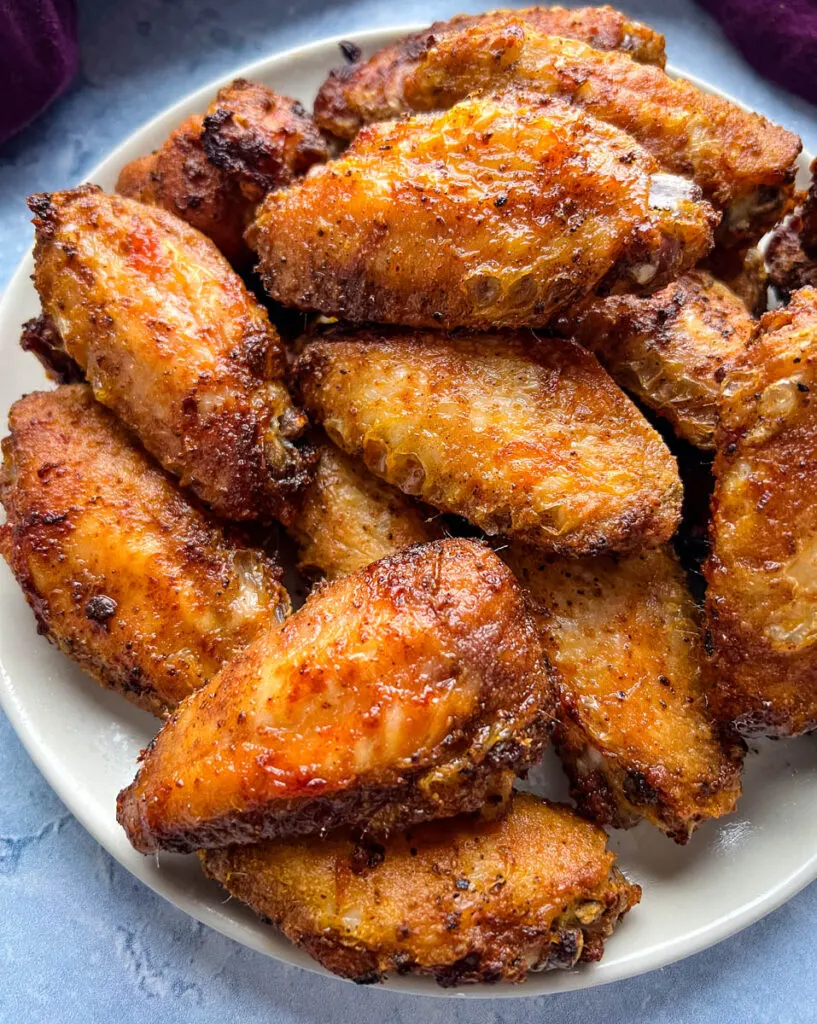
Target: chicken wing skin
349,518
498,212
179,178
634,732
412,689
762,593
259,138
127,577
791,254
171,340
744,164
464,900
671,349
522,438
214,168
372,90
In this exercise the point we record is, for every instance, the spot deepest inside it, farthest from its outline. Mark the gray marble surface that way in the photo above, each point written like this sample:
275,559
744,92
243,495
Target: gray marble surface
80,939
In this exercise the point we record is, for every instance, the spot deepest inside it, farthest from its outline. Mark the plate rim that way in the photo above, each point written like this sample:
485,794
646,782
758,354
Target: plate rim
48,763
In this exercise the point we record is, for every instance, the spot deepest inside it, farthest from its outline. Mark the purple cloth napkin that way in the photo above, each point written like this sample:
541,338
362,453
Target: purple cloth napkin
39,56
777,37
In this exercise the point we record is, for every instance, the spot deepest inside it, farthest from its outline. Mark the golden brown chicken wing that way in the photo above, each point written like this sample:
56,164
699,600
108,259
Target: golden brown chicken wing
671,349
213,169
466,900
123,573
744,164
762,596
634,732
172,341
349,518
791,254
372,90
522,438
498,212
412,689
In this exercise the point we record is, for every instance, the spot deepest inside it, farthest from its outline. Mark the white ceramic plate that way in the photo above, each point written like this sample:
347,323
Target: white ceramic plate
85,740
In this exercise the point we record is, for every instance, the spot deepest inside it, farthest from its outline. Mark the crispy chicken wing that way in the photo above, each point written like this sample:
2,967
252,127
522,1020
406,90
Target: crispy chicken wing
744,164
412,689
498,212
349,518
466,900
671,349
762,596
172,341
523,438
791,254
634,732
213,169
123,573
372,90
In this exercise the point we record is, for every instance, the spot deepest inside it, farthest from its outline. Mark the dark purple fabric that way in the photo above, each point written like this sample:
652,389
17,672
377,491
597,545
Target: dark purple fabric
778,37
39,56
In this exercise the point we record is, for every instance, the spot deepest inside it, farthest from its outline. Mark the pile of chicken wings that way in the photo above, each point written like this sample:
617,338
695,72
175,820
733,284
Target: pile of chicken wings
486,337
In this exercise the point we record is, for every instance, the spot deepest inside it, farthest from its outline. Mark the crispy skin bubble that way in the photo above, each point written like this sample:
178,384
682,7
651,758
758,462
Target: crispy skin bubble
522,438
671,349
350,518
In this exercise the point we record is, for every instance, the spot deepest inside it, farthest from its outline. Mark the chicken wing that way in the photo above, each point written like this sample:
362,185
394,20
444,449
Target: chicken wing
634,732
349,518
791,254
412,689
214,169
762,596
522,438
467,900
498,212
744,164
372,90
127,577
671,349
171,340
